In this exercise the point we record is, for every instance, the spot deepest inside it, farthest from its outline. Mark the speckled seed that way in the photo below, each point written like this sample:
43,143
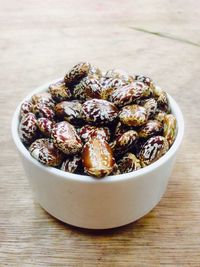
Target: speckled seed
113,82
43,105
26,107
157,91
159,115
115,170
70,111
128,163
133,115
78,72
170,128
72,164
109,85
88,131
143,79
120,129
99,111
101,132
153,149
138,146
43,98
125,142
119,74
163,102
45,126
28,128
59,91
65,138
150,105
88,88
45,152
129,94
162,99
84,132
146,80
43,110
152,127
97,158
94,72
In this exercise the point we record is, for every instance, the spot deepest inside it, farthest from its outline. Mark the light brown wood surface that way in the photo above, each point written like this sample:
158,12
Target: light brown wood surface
39,41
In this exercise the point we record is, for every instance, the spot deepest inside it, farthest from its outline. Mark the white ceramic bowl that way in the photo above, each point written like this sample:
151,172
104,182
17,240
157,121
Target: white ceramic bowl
88,202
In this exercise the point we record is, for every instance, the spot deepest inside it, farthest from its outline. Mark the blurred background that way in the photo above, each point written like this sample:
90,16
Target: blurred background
39,42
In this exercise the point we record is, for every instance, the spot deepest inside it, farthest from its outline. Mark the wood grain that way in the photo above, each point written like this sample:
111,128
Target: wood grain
39,41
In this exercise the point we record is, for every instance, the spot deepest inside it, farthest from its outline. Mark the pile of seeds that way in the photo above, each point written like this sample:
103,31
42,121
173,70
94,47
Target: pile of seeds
98,124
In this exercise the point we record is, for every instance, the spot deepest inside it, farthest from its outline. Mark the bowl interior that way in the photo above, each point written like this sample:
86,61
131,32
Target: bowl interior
84,178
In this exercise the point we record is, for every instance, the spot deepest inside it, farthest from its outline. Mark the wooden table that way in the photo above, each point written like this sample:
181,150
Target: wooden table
39,41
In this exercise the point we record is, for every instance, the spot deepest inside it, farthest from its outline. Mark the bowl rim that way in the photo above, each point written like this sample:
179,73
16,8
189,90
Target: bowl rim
89,179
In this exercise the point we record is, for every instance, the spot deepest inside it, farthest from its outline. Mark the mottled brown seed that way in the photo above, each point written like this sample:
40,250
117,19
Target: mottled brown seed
43,98
98,111
128,163
163,102
106,89
133,115
109,85
59,91
88,131
88,88
84,69
84,132
42,110
101,132
150,105
153,149
157,91
159,115
72,164
152,127
26,107
119,74
146,80
94,72
28,128
43,105
138,146
129,94
170,128
97,158
115,170
70,111
65,138
162,99
45,152
45,126
120,128
125,142
78,72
